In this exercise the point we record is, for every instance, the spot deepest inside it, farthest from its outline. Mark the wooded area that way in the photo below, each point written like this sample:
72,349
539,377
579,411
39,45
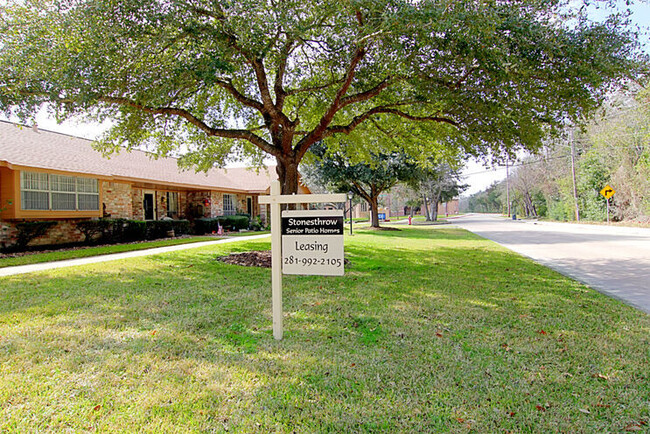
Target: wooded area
613,150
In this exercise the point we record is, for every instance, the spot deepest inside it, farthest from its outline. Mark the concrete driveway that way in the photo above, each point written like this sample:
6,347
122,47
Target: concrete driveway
612,260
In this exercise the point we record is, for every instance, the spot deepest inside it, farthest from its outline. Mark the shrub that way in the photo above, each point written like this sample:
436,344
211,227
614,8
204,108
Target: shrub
181,227
92,228
117,231
256,224
135,230
27,231
158,228
228,222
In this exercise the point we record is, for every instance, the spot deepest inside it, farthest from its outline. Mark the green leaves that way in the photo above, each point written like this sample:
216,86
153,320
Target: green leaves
428,77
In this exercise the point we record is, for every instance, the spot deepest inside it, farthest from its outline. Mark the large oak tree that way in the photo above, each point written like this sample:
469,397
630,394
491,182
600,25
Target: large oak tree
211,78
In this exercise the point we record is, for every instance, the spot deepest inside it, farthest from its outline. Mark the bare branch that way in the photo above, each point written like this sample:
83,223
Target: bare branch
278,87
317,133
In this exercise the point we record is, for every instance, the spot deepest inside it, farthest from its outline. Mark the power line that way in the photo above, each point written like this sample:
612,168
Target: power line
523,163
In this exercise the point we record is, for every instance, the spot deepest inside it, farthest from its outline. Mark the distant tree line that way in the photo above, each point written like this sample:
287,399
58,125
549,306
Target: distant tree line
613,150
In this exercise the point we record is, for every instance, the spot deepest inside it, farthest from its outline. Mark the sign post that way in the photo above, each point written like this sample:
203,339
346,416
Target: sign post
607,192
314,245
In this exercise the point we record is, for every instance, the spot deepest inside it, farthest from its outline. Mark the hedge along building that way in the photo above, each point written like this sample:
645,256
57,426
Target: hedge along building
52,176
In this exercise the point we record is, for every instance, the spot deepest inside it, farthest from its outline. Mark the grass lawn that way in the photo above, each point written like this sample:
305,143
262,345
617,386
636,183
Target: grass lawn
37,258
432,329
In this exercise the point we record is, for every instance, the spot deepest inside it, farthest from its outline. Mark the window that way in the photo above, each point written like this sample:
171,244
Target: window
42,191
63,190
87,194
229,201
35,190
172,203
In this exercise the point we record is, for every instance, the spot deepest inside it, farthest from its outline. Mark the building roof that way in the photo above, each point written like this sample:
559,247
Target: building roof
24,146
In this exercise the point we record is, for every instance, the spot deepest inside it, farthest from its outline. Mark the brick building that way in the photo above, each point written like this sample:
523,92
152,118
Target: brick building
51,176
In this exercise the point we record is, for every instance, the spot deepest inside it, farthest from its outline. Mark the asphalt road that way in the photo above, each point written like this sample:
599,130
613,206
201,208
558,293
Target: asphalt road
613,260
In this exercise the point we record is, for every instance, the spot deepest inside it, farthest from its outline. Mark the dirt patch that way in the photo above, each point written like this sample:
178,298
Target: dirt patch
256,258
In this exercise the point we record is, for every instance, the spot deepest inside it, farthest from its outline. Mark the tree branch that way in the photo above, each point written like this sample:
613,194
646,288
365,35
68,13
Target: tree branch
312,89
368,94
278,87
357,120
249,102
217,132
317,133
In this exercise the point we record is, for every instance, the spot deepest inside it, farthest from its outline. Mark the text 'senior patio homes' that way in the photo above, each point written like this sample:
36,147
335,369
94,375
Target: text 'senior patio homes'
51,176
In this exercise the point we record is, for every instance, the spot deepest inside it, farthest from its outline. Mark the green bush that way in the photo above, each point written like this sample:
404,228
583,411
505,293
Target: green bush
158,228
181,227
135,230
256,224
227,222
27,231
92,228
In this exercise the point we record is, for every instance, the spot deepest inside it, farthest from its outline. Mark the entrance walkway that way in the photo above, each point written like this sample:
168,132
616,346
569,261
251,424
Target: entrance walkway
23,269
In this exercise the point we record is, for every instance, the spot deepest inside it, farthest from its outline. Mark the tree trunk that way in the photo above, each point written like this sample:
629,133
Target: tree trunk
434,211
426,208
374,209
287,170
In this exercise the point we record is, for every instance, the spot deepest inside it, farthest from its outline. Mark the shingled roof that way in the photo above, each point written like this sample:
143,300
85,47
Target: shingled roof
24,146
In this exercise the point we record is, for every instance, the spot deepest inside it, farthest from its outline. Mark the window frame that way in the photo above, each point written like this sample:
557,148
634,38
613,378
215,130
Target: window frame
80,190
233,203
170,194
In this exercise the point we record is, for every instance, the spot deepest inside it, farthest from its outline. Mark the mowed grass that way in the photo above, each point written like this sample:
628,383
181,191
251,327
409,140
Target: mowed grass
432,329
84,252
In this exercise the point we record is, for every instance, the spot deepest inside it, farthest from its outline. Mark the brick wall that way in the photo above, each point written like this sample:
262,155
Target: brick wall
136,198
65,231
196,203
182,205
8,233
161,204
118,199
216,203
450,207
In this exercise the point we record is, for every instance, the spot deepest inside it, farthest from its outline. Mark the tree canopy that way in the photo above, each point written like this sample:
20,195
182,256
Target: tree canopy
366,180
210,79
437,183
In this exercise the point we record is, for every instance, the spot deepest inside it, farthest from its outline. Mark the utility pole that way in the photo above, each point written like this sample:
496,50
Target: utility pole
508,187
573,172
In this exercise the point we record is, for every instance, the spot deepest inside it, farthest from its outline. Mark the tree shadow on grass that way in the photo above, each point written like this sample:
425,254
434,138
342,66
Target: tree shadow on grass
407,340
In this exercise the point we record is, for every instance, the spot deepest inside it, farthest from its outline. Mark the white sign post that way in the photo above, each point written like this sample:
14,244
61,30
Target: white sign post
276,199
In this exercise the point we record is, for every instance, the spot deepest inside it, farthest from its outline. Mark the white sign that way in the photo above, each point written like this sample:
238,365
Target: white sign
312,242
275,201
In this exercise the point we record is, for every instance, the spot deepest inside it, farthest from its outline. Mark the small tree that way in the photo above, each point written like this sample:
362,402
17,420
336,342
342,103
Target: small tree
436,185
367,180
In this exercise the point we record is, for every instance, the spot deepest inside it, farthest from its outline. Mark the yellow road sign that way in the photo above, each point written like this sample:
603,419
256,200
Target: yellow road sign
607,192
